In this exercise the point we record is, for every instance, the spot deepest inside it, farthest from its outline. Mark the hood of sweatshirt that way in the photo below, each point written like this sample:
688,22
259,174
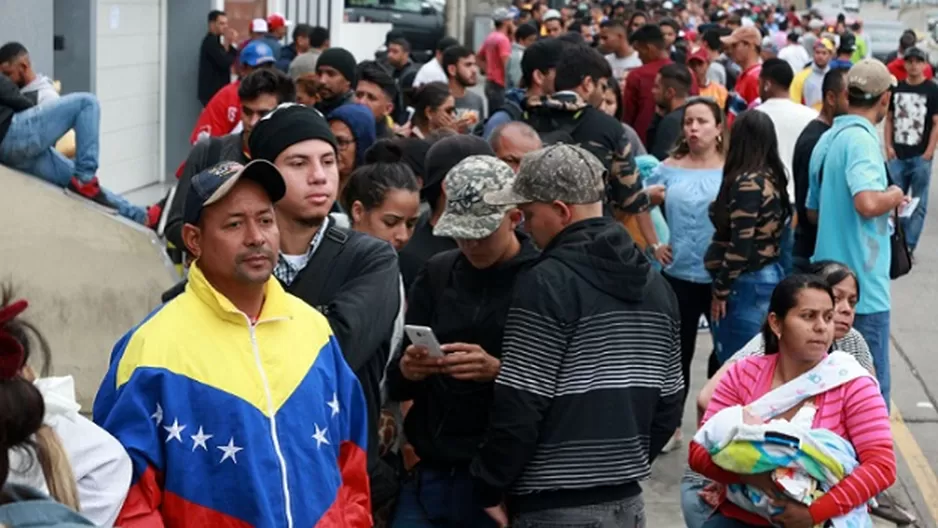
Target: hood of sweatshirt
601,252
362,124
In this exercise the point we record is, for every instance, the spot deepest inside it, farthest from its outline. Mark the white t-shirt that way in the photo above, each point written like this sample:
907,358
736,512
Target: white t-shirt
430,72
624,65
796,56
789,119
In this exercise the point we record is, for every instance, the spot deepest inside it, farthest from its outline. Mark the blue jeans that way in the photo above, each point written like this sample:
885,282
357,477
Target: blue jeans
433,498
624,513
29,145
913,175
786,250
720,521
875,330
695,510
746,309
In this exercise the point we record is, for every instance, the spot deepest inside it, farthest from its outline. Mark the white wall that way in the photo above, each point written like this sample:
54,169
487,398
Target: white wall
30,23
128,87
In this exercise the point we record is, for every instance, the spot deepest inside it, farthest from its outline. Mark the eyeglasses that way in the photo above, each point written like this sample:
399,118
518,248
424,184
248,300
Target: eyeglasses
344,142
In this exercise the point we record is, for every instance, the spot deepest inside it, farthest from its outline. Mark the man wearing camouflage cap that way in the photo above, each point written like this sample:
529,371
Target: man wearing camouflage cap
463,295
593,328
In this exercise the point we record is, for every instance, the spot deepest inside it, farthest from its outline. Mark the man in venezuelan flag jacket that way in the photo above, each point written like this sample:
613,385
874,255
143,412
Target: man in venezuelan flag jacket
231,423
230,419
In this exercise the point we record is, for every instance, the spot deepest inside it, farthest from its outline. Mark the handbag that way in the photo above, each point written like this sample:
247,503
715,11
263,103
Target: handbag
900,262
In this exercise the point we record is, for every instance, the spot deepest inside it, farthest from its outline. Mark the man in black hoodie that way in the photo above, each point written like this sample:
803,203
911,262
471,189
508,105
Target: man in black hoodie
590,387
335,70
571,115
216,56
463,295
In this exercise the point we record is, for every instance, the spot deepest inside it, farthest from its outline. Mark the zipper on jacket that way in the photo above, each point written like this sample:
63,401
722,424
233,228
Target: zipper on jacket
273,425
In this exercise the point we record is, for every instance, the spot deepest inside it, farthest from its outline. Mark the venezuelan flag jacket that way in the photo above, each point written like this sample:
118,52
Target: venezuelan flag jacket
231,423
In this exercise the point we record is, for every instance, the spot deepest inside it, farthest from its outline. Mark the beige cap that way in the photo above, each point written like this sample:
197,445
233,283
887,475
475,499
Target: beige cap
870,77
748,34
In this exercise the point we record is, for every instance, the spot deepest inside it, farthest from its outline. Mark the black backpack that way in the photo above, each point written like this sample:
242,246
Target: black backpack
552,131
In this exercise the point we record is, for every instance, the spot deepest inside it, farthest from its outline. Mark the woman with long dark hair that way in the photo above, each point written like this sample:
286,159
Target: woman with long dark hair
748,216
23,434
434,108
818,393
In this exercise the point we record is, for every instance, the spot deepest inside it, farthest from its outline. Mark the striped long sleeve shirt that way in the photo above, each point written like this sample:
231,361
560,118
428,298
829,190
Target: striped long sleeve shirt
856,411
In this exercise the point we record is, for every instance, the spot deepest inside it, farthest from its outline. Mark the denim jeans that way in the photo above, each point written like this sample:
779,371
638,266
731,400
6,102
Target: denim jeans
913,175
432,498
875,330
625,513
695,510
720,521
29,145
746,309
786,250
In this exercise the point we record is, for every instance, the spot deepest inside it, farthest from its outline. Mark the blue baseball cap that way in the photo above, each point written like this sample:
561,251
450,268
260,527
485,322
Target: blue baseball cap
256,53
212,184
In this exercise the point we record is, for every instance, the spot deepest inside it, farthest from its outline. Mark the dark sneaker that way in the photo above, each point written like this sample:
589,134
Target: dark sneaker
91,191
888,508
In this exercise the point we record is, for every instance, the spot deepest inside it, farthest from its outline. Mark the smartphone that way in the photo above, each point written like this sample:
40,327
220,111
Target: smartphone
423,336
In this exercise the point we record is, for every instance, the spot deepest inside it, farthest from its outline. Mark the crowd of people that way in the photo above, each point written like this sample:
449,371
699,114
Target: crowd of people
406,304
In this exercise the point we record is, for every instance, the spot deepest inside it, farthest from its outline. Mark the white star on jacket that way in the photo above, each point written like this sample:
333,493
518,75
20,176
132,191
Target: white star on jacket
320,436
199,439
158,415
174,431
230,451
334,404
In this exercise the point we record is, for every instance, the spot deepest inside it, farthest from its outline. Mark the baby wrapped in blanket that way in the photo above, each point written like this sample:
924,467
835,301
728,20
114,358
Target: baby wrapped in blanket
806,462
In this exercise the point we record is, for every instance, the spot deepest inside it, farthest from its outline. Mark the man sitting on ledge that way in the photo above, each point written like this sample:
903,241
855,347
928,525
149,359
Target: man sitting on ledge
28,134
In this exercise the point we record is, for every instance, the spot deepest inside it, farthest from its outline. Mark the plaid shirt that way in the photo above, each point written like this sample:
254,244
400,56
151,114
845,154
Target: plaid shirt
287,272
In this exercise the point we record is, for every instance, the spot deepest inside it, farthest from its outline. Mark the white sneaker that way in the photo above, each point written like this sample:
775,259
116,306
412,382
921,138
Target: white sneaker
674,443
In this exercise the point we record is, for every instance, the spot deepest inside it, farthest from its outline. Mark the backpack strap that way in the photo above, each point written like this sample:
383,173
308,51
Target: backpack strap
214,151
321,265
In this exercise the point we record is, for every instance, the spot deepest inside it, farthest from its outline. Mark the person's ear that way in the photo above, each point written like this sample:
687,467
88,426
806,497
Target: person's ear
515,216
389,108
775,324
357,212
451,70
563,211
588,85
192,238
884,99
537,77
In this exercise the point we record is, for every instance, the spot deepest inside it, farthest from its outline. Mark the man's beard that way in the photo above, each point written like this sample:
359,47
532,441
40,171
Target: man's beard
464,82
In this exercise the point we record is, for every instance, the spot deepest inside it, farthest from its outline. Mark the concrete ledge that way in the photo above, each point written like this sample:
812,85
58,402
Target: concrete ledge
89,276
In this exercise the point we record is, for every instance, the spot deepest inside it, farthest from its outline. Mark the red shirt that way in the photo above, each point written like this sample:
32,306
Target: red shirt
495,51
897,69
639,104
220,116
747,86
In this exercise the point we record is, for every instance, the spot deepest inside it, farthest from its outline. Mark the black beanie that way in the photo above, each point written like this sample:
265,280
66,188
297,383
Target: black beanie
287,125
340,59
448,152
414,153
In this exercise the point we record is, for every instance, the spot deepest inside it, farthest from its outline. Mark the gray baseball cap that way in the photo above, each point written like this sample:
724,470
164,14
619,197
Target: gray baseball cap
500,14
467,216
568,173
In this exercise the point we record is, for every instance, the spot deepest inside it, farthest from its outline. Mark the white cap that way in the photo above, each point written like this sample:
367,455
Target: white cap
552,14
667,5
259,25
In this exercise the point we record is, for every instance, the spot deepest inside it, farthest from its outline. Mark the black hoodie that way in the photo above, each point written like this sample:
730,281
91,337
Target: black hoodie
11,102
590,387
449,417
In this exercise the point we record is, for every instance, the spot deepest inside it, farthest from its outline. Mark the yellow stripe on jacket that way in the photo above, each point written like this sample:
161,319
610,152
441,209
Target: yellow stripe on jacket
202,336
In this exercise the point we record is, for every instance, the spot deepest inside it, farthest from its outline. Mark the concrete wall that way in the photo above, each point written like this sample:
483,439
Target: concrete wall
186,25
88,276
74,64
30,23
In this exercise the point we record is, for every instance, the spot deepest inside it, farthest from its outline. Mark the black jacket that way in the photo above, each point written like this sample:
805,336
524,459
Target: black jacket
203,155
567,117
449,417
214,66
423,245
326,106
11,102
590,387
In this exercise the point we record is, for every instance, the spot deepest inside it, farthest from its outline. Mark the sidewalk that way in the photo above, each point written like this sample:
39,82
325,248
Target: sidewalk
663,491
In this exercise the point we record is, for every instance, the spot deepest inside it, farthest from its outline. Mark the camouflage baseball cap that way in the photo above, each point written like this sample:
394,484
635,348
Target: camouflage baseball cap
568,173
467,216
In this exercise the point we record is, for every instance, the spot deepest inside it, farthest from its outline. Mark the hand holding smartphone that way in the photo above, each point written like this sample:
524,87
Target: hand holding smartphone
424,337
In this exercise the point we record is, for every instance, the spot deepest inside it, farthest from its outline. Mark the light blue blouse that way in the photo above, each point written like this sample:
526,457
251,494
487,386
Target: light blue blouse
686,205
